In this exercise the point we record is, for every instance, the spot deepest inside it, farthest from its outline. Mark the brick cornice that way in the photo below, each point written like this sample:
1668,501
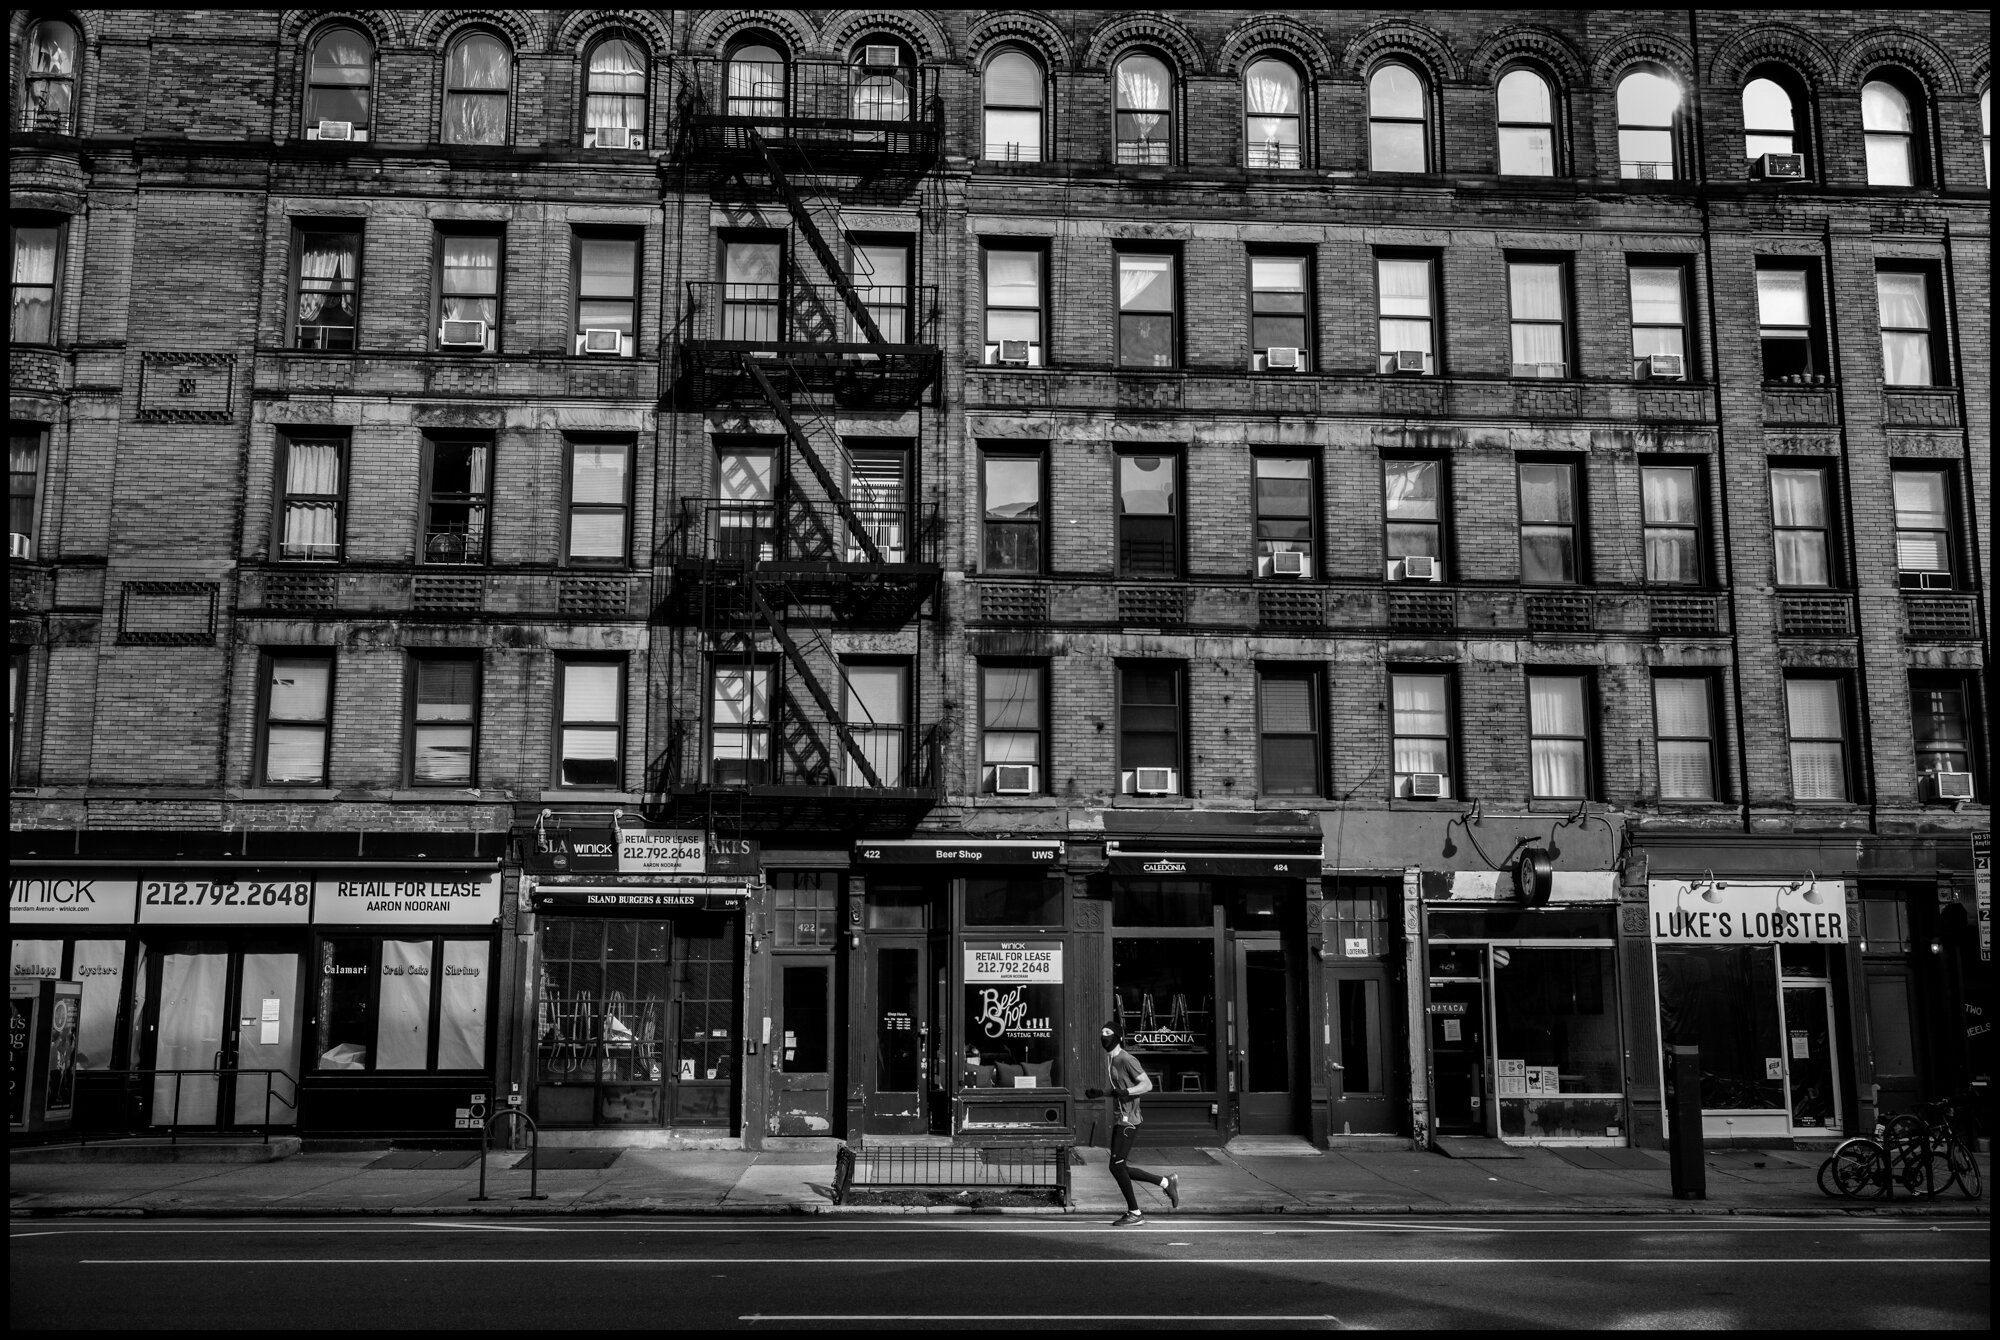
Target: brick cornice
1642,49
843,29
1145,28
716,28
1538,45
1897,46
385,26
1405,39
1031,30
1266,32
521,27
582,27
1776,42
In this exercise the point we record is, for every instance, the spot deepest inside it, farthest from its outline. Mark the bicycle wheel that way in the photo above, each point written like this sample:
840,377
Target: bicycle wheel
1965,1170
1859,1169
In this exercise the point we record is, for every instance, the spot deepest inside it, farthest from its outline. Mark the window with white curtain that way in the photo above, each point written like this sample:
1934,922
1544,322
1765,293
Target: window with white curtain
1659,316
1786,328
1907,335
48,77
877,708
1649,109
1144,122
329,288
1537,296
444,720
1801,522
878,94
1421,716
1684,736
600,501
1671,519
298,709
1559,736
478,76
312,502
340,81
590,728
1815,713
1888,134
615,90
1013,93
1398,120
1527,122
1148,290
1407,311
468,292
1014,301
1923,527
1273,113
739,724
37,247
1770,123
754,83
1011,719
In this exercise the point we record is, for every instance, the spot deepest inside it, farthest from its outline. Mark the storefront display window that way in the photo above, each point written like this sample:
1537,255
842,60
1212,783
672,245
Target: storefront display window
403,1024
1165,994
99,967
705,984
1013,1011
1150,902
1723,999
396,1004
345,1037
1013,902
1555,1012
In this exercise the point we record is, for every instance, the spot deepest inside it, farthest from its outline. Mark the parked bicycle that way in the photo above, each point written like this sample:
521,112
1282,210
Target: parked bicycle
1919,1152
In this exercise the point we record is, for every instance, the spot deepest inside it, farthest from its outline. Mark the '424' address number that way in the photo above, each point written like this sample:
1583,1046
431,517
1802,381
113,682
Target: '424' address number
223,893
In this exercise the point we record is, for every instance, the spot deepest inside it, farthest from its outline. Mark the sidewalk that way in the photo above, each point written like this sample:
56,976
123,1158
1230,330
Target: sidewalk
1213,1181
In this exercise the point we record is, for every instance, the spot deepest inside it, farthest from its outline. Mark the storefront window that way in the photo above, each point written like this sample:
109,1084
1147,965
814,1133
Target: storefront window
1165,994
705,983
807,1047
99,965
1723,999
403,1024
1013,902
345,1037
37,958
403,1004
1013,1021
1160,902
462,1005
1555,1009
805,902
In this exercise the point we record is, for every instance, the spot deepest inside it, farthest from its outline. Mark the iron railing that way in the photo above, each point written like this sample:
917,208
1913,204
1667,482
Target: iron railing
953,1166
830,107
747,531
126,1077
685,764
762,317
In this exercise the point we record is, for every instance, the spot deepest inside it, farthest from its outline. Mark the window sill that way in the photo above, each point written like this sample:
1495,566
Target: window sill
581,795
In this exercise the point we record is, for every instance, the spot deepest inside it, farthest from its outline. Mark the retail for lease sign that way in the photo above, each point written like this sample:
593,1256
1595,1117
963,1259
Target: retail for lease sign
1013,961
226,900
69,900
1729,912
417,900
662,851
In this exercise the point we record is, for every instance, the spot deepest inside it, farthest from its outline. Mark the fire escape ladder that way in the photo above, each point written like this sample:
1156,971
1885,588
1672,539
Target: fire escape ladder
801,753
813,685
812,459
809,229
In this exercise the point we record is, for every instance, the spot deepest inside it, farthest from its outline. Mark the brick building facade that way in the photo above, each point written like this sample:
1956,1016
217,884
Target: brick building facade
756,574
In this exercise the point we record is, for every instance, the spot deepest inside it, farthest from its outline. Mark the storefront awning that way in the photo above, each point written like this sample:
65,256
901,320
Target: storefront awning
1168,844
973,852
619,899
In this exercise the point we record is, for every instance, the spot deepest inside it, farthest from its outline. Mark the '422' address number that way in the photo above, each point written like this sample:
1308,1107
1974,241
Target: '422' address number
223,893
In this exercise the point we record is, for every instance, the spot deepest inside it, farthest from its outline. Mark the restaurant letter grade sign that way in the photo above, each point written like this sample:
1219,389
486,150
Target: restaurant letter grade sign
1013,961
1731,912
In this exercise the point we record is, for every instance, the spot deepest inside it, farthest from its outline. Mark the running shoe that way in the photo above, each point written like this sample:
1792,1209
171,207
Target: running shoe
1127,1219
1173,1190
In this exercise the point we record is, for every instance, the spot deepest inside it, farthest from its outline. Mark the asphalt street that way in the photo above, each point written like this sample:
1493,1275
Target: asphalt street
993,1273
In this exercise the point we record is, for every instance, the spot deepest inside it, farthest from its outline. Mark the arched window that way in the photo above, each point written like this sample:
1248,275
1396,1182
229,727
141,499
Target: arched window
1398,133
1888,131
883,72
614,97
1649,108
1144,126
478,72
755,82
1770,125
340,79
1273,114
48,65
1986,133
1527,125
1013,93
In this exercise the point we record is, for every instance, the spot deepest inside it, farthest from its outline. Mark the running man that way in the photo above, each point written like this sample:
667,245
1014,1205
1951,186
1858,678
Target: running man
1128,1081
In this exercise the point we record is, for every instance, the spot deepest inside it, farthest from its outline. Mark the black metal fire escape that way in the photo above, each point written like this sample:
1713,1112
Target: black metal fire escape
763,580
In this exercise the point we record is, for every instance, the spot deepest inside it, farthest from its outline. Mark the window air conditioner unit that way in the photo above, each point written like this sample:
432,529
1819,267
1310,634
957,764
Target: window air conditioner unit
1784,167
1552,370
1420,568
1924,581
1409,360
1014,779
599,341
463,334
1666,368
1283,356
1426,786
880,58
334,130
1156,782
610,137
1014,351
1288,563
1951,785
19,546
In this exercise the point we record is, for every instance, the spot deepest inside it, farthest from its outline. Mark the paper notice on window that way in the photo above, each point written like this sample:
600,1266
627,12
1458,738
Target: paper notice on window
269,1022
1774,1067
1513,1079
1801,1051
1452,1029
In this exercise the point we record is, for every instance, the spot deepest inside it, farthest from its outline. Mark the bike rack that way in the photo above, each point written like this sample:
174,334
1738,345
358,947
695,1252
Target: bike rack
534,1151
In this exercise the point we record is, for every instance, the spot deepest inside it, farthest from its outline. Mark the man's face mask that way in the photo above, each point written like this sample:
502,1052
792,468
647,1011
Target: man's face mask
1109,1039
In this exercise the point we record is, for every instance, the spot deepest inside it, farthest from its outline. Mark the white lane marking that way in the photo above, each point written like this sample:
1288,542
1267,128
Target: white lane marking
1111,1318
1036,1261
489,1228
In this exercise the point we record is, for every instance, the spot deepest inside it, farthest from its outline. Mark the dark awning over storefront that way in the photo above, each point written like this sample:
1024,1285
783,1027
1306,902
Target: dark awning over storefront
1166,845
952,852
616,897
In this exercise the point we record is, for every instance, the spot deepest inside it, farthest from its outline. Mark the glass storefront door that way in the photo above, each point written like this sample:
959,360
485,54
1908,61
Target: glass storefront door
225,1013
1361,1058
1815,1093
1458,1056
899,973
1267,1096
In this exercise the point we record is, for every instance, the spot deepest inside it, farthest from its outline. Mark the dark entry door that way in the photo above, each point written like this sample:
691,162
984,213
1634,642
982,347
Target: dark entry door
1360,1089
1458,1057
898,1080
802,1053
226,1034
1892,1018
1267,1048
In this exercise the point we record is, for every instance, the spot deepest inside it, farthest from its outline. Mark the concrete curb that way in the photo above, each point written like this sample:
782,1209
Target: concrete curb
1969,1210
